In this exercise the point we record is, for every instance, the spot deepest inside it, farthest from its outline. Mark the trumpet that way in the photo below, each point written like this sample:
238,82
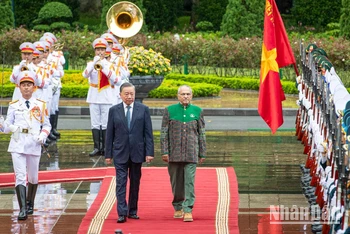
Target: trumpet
98,66
58,46
25,68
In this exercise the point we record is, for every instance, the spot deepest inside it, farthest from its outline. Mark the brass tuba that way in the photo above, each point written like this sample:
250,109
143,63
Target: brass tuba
124,19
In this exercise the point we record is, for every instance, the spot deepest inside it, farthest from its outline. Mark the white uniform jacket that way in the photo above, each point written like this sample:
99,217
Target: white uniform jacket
26,125
105,95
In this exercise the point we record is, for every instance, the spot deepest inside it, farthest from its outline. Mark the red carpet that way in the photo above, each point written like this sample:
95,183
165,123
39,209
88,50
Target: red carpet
215,211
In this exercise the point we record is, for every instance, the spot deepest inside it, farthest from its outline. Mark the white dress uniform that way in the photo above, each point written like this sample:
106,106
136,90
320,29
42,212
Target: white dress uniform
14,79
100,95
25,47
100,99
27,126
56,61
41,74
122,71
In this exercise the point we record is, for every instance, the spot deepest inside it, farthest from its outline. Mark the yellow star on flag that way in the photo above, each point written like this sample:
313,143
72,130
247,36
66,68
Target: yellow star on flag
268,62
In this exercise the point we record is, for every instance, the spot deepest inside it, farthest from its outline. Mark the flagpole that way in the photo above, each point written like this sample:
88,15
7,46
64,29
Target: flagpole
296,69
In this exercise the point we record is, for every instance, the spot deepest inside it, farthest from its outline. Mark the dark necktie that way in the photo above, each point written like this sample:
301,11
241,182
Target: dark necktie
27,104
128,116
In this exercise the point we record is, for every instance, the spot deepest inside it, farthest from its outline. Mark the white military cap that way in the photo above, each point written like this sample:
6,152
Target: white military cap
40,45
28,76
36,53
47,39
27,47
100,43
118,48
108,51
48,34
109,38
47,46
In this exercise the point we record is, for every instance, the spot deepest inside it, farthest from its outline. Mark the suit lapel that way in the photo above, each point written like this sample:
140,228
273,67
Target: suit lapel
122,114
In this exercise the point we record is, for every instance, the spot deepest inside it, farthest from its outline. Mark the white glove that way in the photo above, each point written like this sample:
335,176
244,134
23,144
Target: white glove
15,131
41,139
96,59
298,79
23,63
320,148
13,128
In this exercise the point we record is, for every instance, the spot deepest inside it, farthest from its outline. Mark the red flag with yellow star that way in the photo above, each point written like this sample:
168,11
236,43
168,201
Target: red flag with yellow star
276,53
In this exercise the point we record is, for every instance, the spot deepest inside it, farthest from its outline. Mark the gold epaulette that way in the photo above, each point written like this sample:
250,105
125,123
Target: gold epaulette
40,100
14,101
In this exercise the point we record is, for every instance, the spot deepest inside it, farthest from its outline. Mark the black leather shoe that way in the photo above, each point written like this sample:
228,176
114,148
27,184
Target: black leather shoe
134,216
56,133
52,137
121,219
95,152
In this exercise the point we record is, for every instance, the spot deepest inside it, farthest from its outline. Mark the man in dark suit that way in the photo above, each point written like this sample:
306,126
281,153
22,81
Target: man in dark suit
129,141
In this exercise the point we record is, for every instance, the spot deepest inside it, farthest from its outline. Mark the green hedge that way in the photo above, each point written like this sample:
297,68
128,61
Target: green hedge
168,89
245,83
74,91
75,86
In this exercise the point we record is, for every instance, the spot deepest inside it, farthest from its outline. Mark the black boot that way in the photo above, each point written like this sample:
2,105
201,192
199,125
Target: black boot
96,138
21,197
103,139
52,122
54,128
31,197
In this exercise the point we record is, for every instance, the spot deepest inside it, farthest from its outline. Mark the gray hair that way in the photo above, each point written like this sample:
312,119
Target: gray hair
184,86
126,85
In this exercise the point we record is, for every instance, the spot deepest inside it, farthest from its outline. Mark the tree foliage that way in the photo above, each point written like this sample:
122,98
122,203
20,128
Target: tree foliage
7,19
211,11
243,18
345,19
26,11
55,12
162,14
316,13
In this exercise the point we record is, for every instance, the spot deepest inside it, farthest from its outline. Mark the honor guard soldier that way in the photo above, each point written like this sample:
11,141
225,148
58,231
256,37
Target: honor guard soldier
27,50
121,68
111,40
40,71
55,61
100,95
28,122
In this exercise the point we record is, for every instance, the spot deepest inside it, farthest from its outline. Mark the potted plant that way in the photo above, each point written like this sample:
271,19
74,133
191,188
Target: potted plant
147,70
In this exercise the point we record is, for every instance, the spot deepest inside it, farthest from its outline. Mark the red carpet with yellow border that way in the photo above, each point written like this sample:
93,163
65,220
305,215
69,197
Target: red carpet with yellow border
215,210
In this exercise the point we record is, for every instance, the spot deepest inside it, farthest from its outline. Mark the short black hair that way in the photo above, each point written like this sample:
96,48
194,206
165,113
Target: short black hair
125,85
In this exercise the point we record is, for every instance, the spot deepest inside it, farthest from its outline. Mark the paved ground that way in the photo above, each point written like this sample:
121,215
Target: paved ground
214,123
